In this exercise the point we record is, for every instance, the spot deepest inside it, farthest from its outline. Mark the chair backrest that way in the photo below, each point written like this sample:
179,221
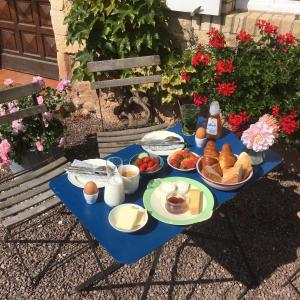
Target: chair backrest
8,95
122,64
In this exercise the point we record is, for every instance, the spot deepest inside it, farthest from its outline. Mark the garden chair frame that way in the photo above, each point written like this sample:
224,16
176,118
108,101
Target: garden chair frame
112,141
27,194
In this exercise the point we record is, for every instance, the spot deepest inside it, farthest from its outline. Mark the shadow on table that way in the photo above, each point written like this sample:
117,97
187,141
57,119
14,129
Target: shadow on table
264,218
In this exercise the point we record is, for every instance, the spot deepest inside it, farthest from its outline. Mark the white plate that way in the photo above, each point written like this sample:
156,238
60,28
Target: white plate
81,180
183,170
162,150
115,213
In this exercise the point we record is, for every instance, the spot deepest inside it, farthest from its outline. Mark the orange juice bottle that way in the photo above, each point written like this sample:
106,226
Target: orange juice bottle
214,123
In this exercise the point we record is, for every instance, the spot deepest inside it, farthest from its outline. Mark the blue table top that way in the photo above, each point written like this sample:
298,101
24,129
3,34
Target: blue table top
130,247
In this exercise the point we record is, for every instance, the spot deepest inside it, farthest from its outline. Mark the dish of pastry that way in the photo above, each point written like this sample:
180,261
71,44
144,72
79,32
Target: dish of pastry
224,170
178,200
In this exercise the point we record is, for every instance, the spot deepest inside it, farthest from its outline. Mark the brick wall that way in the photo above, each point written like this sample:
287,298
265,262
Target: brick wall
182,26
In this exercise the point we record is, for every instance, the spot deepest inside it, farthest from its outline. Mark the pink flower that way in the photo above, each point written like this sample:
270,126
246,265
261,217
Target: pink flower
47,116
8,82
39,80
258,137
17,126
5,146
12,106
39,145
4,156
272,122
61,142
63,84
5,164
40,100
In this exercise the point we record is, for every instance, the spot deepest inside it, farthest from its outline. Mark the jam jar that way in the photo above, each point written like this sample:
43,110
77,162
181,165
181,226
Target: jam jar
176,204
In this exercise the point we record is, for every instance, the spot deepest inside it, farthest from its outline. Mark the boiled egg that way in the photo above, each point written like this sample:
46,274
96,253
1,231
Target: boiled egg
90,188
201,133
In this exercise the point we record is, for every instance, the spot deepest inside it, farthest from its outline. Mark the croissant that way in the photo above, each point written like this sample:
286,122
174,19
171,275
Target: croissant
210,150
226,157
208,161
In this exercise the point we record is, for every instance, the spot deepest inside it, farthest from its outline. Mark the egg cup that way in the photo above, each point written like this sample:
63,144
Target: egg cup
200,143
91,199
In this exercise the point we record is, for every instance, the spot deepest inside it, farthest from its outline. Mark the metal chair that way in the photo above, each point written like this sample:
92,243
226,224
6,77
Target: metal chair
109,141
25,196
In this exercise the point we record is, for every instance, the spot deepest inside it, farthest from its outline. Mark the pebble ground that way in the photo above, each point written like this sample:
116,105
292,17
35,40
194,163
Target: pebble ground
207,262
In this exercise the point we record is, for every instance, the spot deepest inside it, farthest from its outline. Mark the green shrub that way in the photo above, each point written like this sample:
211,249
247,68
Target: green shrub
116,29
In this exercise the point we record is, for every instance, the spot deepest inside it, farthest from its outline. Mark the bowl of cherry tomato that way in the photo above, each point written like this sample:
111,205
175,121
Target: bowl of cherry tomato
147,163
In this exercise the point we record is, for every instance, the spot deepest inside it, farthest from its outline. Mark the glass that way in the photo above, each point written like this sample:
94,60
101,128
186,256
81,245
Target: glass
112,165
256,157
189,114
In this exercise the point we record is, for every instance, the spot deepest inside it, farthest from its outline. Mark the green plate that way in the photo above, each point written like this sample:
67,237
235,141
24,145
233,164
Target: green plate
154,202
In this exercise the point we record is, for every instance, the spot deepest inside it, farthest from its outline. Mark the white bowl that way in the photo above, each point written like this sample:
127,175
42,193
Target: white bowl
183,170
115,213
223,186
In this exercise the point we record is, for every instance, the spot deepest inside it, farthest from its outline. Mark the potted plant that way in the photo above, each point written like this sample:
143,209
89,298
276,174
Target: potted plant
25,142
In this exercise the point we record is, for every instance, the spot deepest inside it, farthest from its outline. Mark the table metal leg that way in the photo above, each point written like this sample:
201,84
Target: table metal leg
100,275
151,273
97,277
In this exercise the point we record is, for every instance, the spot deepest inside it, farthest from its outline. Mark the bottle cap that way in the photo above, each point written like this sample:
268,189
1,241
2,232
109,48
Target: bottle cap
214,108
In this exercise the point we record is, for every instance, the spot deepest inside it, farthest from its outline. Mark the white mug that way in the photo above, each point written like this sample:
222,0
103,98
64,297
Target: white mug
131,183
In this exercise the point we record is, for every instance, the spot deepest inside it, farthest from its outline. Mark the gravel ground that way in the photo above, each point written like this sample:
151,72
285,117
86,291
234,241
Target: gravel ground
191,266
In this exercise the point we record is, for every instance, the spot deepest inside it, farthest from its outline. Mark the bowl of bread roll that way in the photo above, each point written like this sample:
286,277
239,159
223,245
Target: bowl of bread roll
224,170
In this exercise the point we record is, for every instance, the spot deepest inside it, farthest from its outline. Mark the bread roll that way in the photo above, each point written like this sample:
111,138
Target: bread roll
226,157
244,160
210,173
233,175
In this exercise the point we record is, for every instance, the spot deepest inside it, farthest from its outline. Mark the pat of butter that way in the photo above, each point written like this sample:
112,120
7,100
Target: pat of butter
196,201
129,217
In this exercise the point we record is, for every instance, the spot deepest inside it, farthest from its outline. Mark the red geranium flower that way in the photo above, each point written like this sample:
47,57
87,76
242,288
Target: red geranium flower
286,39
226,67
275,111
289,123
244,37
267,27
217,39
200,58
226,89
185,76
199,100
238,120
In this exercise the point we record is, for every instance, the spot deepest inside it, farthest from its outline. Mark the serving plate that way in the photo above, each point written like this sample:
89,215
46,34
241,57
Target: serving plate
80,180
154,201
162,150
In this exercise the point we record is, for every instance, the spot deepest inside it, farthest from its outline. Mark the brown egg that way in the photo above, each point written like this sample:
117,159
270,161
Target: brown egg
90,188
201,133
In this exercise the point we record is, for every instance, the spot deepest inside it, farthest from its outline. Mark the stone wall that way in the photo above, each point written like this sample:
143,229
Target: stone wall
181,25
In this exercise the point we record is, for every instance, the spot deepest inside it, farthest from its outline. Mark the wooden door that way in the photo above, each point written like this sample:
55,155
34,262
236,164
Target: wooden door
27,41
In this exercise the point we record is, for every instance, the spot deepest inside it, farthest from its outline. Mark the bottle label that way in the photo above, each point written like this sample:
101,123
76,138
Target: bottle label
212,126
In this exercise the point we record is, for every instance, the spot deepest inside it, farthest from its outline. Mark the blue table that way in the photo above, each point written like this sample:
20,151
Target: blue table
128,248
